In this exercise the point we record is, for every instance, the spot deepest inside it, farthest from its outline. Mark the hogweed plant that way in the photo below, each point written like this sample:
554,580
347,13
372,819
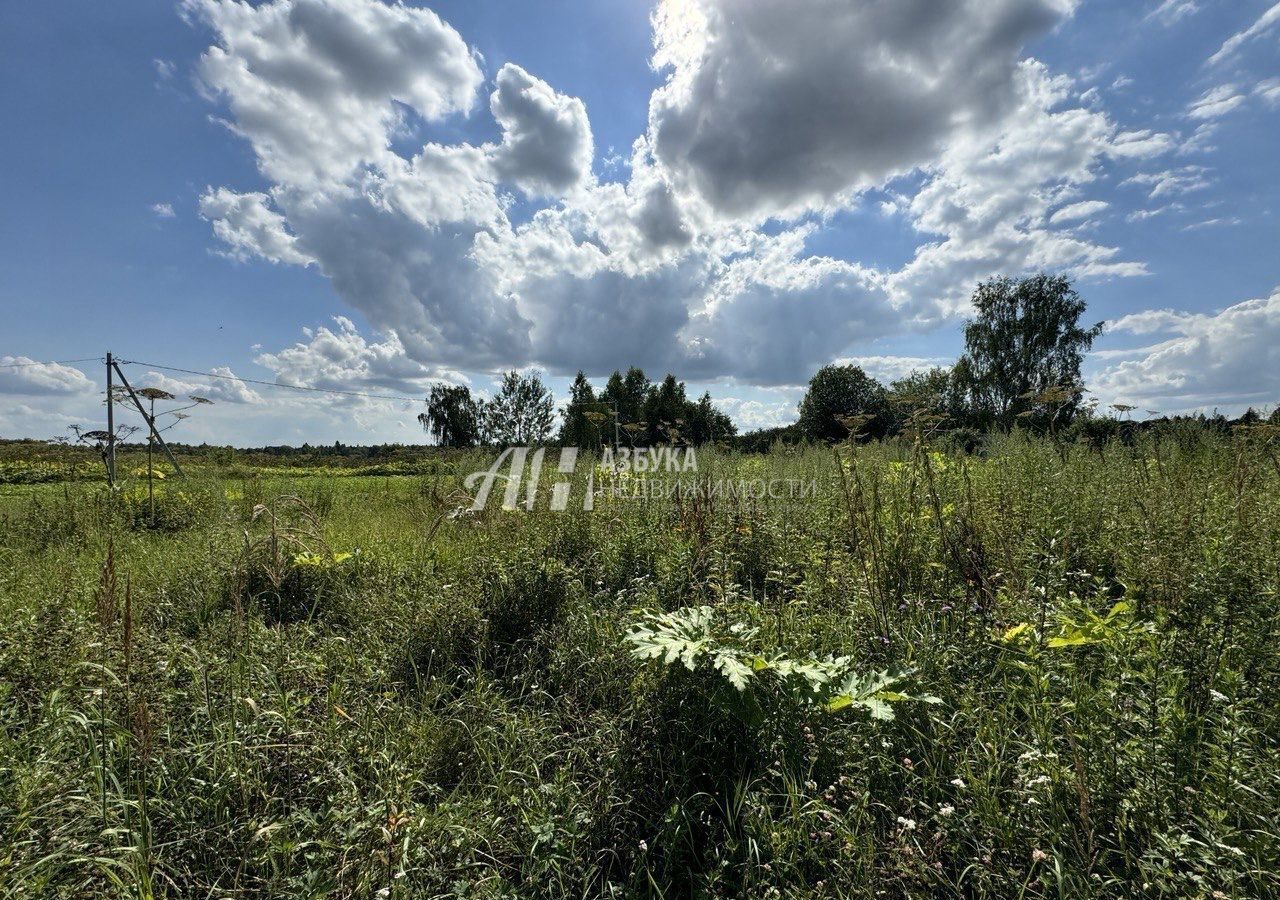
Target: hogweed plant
697,639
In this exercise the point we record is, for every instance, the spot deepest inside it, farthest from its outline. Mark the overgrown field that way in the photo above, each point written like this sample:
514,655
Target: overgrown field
1038,671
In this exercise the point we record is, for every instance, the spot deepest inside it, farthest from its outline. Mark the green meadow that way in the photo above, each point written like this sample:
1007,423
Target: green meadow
1043,669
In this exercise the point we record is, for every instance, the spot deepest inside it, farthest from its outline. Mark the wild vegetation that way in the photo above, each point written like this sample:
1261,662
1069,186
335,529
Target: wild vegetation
963,635
1044,669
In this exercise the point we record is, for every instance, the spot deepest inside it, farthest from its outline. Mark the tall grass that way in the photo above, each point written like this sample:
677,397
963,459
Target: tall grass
455,710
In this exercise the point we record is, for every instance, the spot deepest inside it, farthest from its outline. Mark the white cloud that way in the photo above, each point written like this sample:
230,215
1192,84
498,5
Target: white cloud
1171,11
423,282
887,369
249,227
223,389
1216,102
228,390
26,376
659,270
1142,144
342,359
1140,215
773,317
989,199
1200,138
1264,23
1269,91
318,86
1171,182
546,147
1076,212
770,108
163,210
1226,359
30,420
1213,223
753,415
441,184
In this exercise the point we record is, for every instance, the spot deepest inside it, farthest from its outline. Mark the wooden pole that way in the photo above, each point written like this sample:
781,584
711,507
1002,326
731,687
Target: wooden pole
615,426
151,471
149,420
111,424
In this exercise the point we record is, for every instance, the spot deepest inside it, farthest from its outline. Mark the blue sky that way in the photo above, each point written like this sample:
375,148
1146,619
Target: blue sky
735,190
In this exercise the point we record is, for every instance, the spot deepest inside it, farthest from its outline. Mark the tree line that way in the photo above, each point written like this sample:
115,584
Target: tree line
1024,348
629,410
1021,366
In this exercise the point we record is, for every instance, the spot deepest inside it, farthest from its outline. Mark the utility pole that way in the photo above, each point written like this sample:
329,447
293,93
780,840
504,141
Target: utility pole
111,424
615,426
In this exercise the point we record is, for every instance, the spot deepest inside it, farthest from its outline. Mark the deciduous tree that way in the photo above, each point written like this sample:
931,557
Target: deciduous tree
521,413
1023,351
841,399
452,416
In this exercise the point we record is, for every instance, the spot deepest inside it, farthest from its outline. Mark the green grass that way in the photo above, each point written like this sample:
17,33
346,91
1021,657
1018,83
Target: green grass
456,708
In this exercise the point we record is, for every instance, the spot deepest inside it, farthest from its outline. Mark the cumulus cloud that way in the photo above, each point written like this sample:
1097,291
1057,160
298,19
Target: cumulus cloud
249,227
768,109
163,210
1226,359
341,359
752,415
23,375
318,86
228,390
222,389
422,282
26,419
886,369
546,147
821,306
667,269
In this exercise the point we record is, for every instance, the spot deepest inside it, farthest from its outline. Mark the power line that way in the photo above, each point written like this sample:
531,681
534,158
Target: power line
52,362
273,384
